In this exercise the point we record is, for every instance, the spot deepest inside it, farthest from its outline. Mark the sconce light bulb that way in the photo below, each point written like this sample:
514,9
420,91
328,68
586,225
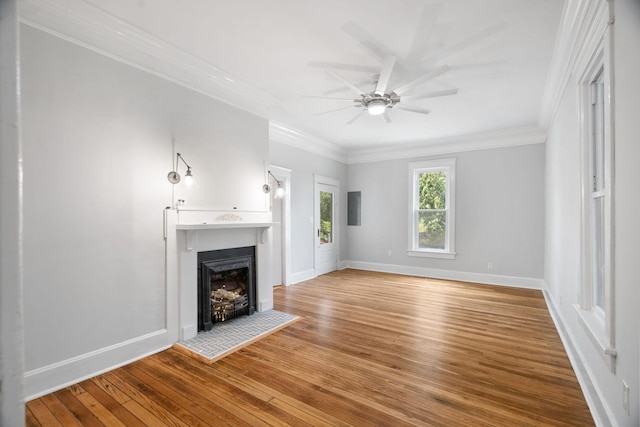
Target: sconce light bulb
279,192
188,178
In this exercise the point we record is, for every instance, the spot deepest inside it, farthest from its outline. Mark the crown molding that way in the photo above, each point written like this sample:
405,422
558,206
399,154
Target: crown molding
284,134
511,137
83,24
581,19
483,141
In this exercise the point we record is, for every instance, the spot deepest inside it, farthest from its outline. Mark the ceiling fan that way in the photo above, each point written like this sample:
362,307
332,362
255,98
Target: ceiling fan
381,99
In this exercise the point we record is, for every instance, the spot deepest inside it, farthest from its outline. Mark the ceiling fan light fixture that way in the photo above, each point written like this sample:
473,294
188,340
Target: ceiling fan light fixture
375,107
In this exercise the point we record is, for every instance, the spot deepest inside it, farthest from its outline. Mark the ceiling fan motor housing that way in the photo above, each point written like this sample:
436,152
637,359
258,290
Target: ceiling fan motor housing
377,104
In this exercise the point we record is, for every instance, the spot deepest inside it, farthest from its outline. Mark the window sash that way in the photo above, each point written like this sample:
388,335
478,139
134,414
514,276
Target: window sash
416,224
598,253
598,143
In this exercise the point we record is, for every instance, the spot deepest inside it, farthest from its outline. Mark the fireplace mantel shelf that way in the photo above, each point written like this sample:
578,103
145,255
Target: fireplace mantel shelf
223,225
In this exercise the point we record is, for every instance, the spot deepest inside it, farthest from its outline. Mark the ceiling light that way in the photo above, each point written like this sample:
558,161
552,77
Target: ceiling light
375,107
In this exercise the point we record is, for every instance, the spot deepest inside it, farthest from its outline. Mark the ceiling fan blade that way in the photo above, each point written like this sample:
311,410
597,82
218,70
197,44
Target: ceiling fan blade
430,75
385,116
428,32
331,97
365,39
356,117
333,111
385,74
373,45
345,81
472,40
342,66
434,94
412,109
363,83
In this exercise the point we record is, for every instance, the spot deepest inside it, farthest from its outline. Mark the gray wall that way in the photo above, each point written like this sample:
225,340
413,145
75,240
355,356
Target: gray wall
562,253
97,148
304,165
499,213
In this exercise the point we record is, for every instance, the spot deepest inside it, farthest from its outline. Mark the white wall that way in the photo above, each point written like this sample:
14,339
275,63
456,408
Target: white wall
304,165
97,148
12,411
499,217
562,249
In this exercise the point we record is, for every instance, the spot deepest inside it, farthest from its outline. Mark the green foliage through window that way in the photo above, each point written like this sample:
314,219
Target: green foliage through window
433,190
326,217
432,215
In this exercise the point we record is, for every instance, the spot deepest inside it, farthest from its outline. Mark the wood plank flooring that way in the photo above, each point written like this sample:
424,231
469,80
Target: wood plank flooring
371,349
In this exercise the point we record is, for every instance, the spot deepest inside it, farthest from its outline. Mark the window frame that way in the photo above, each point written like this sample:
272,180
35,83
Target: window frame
597,191
415,169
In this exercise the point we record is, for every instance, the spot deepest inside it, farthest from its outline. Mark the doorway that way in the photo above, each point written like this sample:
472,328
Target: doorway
281,229
326,224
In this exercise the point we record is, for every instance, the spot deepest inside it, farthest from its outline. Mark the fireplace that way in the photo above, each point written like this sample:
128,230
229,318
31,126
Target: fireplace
226,285
196,233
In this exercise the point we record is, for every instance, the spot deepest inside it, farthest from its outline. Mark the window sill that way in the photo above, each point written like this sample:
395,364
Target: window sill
595,330
432,254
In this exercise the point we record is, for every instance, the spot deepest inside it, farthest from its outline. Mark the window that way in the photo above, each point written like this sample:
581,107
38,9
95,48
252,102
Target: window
599,194
432,208
597,290
326,217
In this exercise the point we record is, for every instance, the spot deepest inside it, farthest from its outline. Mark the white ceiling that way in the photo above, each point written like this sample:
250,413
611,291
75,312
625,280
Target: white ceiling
499,52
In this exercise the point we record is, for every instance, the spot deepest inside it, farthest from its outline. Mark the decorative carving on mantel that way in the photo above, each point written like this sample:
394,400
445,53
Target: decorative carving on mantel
229,217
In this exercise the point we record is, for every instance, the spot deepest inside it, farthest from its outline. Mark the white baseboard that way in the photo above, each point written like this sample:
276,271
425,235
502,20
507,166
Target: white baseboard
595,401
48,379
302,276
489,279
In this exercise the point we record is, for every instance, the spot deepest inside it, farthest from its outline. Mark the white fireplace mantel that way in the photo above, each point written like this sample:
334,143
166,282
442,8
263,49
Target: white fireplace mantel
193,237
262,227
222,225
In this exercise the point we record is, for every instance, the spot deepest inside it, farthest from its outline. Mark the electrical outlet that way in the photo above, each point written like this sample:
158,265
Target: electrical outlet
389,252
490,266
625,397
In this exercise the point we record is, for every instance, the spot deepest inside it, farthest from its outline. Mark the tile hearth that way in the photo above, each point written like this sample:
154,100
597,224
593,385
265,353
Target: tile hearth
226,337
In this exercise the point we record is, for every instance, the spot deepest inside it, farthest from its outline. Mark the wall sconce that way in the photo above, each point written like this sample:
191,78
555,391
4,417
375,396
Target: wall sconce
174,176
279,191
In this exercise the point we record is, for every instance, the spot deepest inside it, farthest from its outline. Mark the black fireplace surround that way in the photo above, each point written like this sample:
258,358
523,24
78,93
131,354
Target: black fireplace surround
222,271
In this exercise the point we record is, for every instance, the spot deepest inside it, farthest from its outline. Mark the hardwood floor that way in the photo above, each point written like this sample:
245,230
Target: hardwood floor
371,349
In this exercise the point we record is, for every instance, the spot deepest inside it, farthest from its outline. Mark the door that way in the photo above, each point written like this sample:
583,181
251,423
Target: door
326,229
